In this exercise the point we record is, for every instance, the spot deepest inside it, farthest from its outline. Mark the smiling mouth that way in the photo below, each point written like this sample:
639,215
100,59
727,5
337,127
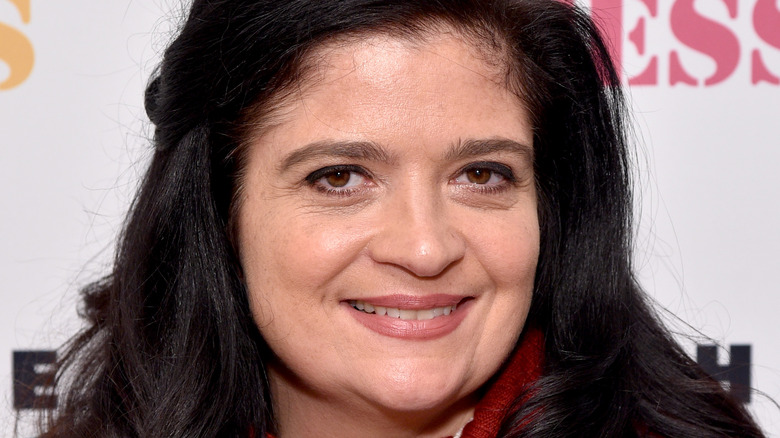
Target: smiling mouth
404,314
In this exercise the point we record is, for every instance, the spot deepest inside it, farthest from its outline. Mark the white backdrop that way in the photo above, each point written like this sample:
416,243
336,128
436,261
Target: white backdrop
705,92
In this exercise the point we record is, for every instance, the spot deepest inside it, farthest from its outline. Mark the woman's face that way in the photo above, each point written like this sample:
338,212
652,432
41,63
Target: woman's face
388,230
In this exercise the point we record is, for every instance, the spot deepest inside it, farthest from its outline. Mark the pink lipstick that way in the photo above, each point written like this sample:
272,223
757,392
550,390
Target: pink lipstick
410,316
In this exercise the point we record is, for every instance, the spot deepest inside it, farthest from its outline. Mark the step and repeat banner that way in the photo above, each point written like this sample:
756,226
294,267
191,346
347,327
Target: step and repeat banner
703,79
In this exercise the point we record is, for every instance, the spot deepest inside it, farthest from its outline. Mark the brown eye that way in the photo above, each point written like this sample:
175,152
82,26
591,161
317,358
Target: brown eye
485,175
338,179
479,176
341,179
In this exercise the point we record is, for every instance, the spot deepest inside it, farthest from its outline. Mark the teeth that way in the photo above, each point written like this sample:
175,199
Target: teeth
423,315
404,314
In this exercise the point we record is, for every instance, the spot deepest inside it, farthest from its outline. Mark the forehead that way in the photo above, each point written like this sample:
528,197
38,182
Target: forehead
383,87
387,57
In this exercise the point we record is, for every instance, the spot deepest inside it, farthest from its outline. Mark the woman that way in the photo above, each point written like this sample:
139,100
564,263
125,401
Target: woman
373,218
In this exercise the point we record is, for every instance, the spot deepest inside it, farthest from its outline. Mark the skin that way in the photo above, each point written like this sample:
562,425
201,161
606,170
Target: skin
417,213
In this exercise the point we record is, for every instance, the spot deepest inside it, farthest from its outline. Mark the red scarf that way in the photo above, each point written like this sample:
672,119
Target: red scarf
523,369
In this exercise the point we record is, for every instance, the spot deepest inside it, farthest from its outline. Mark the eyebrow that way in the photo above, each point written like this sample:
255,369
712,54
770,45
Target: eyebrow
476,147
370,151
357,150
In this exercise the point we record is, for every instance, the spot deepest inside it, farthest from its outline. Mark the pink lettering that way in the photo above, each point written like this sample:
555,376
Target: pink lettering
766,20
714,39
705,36
648,76
677,74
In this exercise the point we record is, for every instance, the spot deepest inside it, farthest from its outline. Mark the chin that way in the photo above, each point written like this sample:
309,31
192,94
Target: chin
412,392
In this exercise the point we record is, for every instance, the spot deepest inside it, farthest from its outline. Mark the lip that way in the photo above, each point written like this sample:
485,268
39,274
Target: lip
413,329
413,302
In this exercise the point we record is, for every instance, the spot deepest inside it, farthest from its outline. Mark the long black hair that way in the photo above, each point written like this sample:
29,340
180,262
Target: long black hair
171,348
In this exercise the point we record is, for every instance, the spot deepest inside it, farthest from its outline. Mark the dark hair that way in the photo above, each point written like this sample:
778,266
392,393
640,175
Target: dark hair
171,348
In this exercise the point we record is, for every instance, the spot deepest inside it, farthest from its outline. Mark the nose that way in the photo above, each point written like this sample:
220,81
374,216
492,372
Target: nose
417,233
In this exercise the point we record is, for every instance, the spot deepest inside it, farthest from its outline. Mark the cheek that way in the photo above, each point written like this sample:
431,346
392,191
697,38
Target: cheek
509,251
289,259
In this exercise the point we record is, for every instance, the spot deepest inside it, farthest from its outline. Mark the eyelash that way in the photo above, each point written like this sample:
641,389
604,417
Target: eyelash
494,168
505,172
313,179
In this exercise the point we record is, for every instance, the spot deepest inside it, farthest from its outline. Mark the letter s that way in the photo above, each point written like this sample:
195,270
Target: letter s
705,36
16,50
766,20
